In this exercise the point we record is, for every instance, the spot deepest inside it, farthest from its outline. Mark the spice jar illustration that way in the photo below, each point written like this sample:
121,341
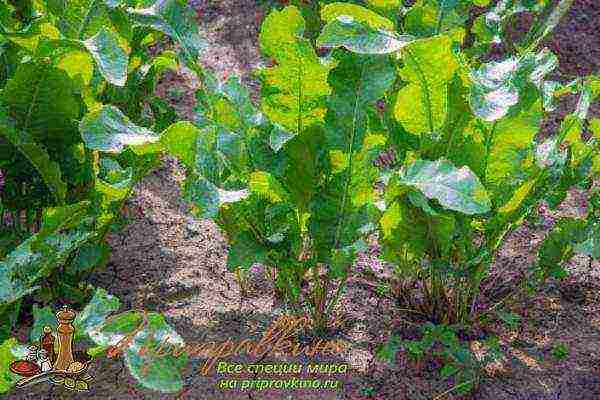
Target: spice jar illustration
64,331
32,354
44,361
47,342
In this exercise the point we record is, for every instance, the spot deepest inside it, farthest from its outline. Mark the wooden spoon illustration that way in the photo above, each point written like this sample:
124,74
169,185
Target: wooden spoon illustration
46,375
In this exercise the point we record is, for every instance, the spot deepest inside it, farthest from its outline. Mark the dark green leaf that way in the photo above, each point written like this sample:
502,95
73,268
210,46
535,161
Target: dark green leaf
89,256
37,156
244,251
44,102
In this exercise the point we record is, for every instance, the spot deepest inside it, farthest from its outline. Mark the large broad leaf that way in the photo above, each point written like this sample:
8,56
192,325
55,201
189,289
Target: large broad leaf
331,12
405,233
109,56
336,212
345,31
154,369
94,315
557,248
499,86
179,140
493,91
295,89
37,156
422,105
173,18
109,130
455,189
44,101
244,251
152,348
81,19
88,257
39,256
511,157
357,82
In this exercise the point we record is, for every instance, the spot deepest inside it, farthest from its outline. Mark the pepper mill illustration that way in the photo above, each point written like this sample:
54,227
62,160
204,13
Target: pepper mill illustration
65,332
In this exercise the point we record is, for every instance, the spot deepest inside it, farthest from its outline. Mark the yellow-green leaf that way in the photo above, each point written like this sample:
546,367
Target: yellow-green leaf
295,89
78,65
392,217
265,185
339,160
332,11
430,64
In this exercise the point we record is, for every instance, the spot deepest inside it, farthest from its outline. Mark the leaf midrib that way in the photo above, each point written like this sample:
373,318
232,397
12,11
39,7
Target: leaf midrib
34,97
342,215
86,19
425,87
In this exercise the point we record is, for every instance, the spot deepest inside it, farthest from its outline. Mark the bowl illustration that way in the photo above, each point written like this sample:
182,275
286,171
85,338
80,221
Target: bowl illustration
24,368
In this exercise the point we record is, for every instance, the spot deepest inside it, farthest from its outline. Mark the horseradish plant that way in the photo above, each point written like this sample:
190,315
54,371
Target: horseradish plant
294,184
76,85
